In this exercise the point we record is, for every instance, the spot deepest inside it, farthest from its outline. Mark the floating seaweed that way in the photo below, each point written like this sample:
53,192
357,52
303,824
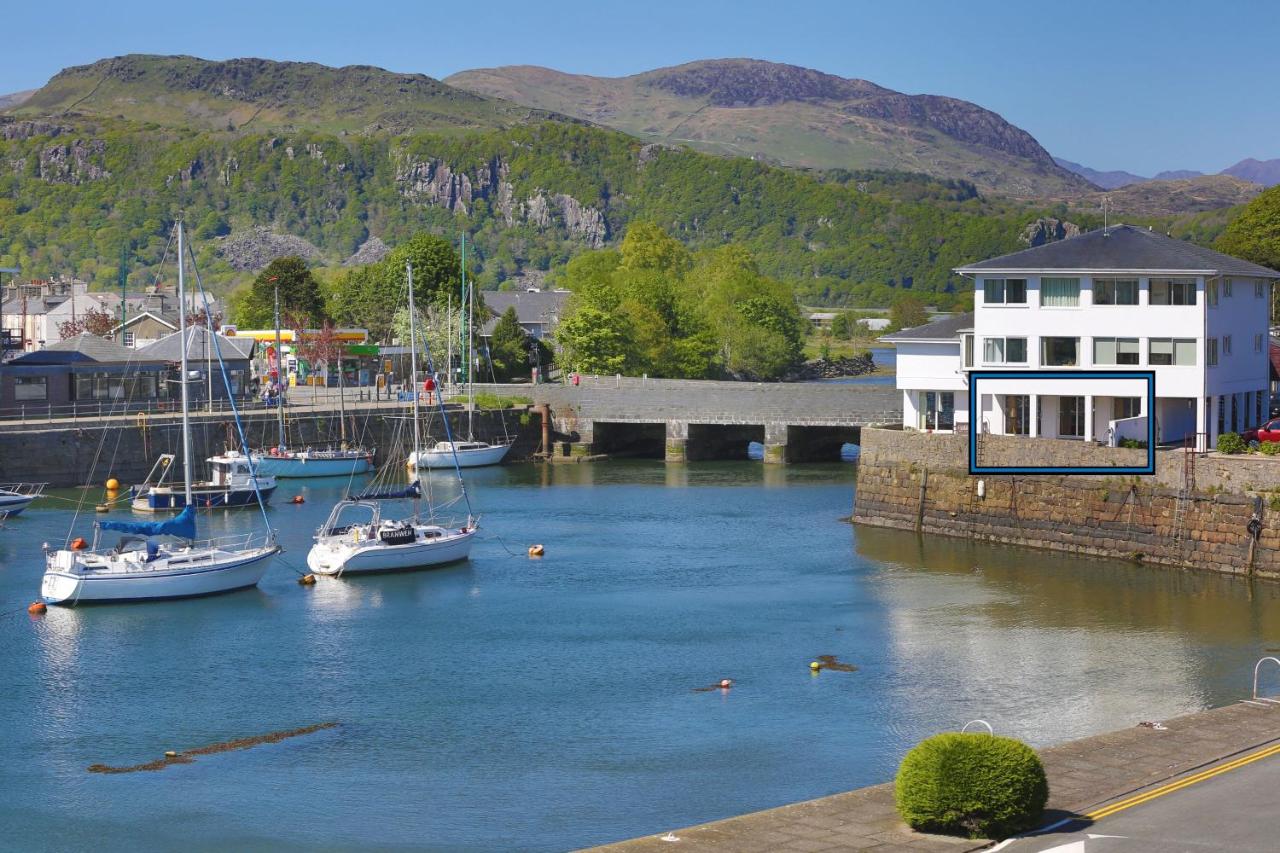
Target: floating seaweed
185,757
830,662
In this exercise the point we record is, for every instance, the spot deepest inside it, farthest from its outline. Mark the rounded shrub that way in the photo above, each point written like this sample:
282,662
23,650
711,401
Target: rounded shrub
1230,442
1269,448
971,784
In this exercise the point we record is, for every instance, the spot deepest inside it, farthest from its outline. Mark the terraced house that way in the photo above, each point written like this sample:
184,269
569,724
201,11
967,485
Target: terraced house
1115,299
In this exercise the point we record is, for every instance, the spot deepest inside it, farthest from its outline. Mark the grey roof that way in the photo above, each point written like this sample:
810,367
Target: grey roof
94,348
1123,247
532,306
946,329
169,348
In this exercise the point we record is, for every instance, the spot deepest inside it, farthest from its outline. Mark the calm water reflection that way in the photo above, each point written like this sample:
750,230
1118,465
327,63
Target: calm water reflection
509,703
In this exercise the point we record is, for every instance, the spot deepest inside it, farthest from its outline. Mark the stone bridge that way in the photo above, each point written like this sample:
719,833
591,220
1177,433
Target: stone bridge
691,420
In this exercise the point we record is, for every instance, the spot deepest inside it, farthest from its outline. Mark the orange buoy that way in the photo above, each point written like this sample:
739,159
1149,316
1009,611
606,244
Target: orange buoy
307,580
536,550
37,608
78,544
112,484
299,499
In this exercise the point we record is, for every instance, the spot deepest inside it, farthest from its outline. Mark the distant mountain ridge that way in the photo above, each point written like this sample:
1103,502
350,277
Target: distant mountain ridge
185,91
1265,173
793,116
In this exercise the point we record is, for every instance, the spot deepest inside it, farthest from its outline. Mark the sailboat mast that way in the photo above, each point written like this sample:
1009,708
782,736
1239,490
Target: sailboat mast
182,335
471,358
342,399
413,357
279,370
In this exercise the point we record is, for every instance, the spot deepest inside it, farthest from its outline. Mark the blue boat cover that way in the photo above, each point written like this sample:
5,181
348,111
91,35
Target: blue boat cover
413,490
182,525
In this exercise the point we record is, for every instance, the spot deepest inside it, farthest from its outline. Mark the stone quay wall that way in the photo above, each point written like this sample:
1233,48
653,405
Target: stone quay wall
126,448
917,481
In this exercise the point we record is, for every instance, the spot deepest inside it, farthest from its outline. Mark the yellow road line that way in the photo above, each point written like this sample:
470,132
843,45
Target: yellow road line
1139,799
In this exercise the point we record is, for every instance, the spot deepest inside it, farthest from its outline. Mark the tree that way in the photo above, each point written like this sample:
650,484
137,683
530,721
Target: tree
323,346
369,296
1255,236
300,295
92,321
907,312
592,341
508,346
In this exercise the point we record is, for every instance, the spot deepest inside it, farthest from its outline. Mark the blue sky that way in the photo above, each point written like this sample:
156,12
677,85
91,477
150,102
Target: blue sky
1142,86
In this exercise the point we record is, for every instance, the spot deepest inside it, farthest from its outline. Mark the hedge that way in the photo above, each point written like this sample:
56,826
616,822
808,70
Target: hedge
971,784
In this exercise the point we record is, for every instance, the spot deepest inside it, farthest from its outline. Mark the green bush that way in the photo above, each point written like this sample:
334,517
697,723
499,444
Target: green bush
1230,442
1269,448
1134,443
493,401
971,784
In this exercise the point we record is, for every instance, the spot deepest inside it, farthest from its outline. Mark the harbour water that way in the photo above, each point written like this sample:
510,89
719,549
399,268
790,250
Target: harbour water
510,703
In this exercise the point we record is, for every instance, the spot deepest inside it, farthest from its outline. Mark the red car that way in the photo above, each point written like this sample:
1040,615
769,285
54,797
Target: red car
1270,431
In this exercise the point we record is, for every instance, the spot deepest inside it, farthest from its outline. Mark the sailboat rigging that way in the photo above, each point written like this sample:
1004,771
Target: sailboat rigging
163,559
357,538
470,453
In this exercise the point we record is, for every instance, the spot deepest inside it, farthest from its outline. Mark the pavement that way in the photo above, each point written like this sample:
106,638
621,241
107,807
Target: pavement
1232,809
1088,776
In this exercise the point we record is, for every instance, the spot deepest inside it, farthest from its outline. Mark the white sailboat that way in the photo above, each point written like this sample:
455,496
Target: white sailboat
470,453
281,461
159,559
356,538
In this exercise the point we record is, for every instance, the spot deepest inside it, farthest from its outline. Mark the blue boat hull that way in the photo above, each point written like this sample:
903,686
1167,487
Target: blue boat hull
165,500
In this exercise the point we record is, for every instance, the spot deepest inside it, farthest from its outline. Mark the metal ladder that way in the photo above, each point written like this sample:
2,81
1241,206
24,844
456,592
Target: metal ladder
1189,451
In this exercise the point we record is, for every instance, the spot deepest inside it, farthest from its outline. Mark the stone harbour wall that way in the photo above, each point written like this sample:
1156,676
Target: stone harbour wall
916,481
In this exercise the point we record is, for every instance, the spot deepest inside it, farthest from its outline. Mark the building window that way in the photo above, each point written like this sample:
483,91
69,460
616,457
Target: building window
1017,419
1125,407
1211,352
1226,288
1059,292
1211,289
939,410
1177,351
128,339
1071,416
1115,291
1257,342
1004,350
1173,291
1116,351
1004,291
1226,345
1060,352
26,388
967,343
1259,289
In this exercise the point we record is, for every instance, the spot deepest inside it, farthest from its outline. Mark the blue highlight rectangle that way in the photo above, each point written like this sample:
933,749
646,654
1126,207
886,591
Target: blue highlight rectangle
975,425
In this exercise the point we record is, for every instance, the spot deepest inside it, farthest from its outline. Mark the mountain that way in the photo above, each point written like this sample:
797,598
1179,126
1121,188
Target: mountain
1106,180
1264,172
13,99
1176,175
1172,198
337,163
792,116
186,92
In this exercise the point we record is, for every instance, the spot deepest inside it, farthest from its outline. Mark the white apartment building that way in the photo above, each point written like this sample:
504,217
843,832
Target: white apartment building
1108,300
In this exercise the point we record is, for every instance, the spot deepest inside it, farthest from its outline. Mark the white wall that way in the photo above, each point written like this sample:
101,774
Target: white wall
1241,315
930,366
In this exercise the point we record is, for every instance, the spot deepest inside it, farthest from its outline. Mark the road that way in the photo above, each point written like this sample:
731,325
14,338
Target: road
1233,811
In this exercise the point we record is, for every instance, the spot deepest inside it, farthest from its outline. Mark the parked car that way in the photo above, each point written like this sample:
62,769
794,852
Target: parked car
1270,431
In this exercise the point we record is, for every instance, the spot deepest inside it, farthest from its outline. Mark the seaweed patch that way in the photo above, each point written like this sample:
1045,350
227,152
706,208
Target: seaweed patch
187,756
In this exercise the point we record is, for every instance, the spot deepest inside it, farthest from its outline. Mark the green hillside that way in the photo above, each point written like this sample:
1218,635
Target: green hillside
530,192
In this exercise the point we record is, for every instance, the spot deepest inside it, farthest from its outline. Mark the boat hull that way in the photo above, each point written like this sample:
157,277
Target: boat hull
13,504
166,499
310,466
469,458
71,584
335,557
